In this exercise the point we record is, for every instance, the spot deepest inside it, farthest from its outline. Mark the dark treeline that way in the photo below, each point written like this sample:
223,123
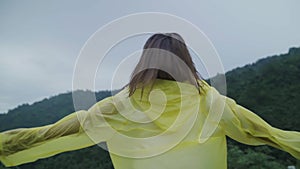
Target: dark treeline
269,87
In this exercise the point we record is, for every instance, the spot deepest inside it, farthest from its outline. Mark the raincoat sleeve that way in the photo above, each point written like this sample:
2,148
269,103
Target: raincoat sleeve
242,125
23,145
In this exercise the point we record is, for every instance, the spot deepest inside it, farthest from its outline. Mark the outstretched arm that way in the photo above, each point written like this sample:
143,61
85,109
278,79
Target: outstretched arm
23,138
25,145
246,127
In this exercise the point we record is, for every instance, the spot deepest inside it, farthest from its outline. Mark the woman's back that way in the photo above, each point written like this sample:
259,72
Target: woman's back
184,150
187,154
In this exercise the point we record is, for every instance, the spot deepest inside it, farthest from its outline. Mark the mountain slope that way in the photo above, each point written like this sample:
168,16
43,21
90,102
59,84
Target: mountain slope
271,88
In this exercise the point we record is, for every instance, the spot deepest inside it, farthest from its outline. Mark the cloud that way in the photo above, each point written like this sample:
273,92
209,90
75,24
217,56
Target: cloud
40,41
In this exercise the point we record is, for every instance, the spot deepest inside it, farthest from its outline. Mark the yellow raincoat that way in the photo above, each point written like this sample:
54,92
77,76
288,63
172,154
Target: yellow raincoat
171,126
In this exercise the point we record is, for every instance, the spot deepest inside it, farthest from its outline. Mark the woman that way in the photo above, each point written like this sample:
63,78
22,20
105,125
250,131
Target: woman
166,117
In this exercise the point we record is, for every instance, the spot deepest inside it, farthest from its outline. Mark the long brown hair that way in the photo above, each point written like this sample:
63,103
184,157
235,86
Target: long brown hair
161,54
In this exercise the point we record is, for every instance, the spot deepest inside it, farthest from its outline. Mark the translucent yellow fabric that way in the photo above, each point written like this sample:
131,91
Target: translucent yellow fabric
171,126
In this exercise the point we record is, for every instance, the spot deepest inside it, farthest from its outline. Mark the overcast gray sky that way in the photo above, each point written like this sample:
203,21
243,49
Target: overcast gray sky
40,40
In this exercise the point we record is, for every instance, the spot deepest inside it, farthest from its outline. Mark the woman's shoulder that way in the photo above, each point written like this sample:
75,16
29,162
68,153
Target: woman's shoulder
204,87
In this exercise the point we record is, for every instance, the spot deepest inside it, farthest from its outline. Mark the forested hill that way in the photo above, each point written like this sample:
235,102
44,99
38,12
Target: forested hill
269,87
44,112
